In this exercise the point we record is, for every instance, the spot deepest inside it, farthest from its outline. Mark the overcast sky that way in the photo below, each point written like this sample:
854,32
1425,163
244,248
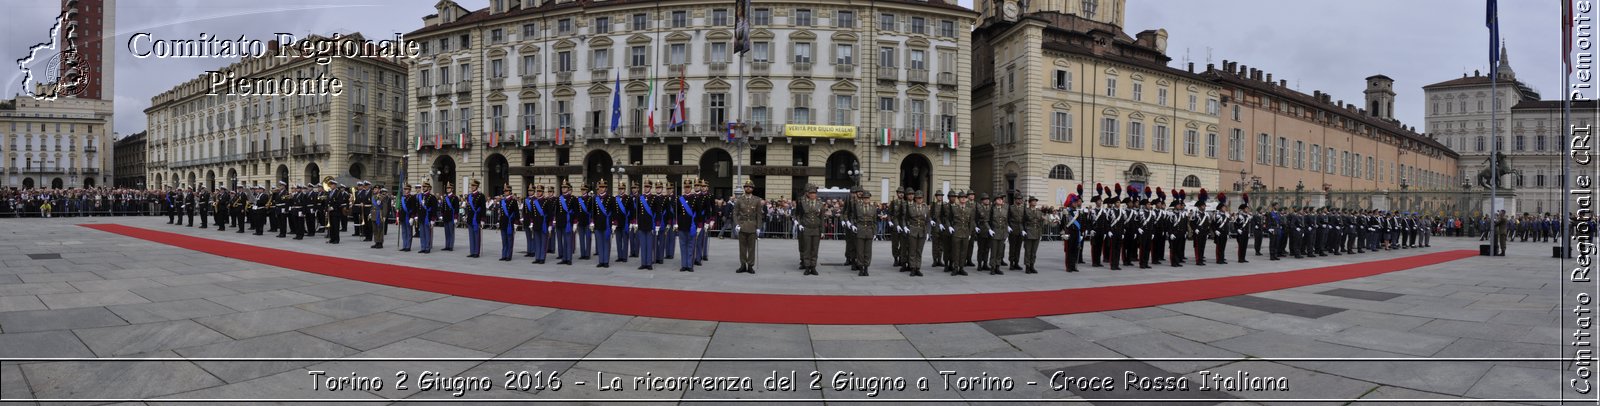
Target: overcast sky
1315,45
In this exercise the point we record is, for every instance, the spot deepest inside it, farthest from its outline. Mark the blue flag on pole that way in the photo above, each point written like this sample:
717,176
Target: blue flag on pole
1493,22
616,103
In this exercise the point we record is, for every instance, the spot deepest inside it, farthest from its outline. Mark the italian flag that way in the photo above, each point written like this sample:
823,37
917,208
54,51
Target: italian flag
438,141
886,136
561,135
527,137
955,140
462,143
419,142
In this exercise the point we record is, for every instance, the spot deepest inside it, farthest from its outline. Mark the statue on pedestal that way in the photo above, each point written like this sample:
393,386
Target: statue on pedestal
1500,168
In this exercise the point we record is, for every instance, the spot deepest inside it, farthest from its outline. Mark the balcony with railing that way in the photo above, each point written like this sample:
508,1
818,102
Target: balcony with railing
718,68
947,78
423,92
917,76
600,74
497,84
638,72
441,90
91,149
908,136
801,68
844,70
463,87
564,78
324,107
530,79
888,73
761,68
362,149
91,171
280,153
358,108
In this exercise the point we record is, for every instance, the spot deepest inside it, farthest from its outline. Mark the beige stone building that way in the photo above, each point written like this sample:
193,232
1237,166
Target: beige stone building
196,138
60,143
1064,97
1278,139
822,84
1527,130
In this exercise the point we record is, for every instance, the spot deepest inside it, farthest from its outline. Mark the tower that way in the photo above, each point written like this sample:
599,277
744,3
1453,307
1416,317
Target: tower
87,24
1504,70
1105,11
1380,97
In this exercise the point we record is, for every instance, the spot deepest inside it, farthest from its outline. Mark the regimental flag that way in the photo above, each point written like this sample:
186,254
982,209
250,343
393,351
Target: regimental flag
955,140
741,26
419,142
494,139
527,136
561,135
922,138
733,131
1566,34
438,141
1493,22
650,113
886,137
462,142
616,104
680,109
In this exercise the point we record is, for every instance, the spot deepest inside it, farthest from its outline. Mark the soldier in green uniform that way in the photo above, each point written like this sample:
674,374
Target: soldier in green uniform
893,227
916,223
1032,228
962,229
998,224
1500,233
847,218
866,220
1014,214
749,213
809,216
981,236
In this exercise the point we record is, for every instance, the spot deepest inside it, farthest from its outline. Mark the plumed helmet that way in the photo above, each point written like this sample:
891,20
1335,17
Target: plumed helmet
1201,199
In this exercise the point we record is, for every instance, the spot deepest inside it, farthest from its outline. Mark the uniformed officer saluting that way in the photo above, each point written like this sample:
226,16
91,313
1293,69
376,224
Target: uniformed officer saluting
749,212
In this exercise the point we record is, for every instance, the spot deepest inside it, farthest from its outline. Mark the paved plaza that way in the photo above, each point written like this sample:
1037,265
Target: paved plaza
68,291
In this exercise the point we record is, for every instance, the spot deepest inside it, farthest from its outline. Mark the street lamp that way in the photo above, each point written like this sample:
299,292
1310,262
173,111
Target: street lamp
1299,186
1405,203
855,173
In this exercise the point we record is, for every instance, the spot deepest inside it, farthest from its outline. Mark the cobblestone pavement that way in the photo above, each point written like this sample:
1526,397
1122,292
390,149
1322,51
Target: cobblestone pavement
72,292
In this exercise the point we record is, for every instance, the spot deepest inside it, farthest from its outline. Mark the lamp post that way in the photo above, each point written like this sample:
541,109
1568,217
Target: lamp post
743,141
1405,203
619,171
855,173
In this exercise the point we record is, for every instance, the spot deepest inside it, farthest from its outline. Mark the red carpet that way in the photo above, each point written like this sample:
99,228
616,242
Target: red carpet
788,309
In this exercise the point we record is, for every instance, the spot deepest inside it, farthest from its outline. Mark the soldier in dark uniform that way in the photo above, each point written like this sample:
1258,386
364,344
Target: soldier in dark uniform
647,220
312,210
1203,228
360,208
1275,227
241,201
1072,229
537,222
449,210
984,236
749,212
1158,227
962,231
1014,216
1032,228
1223,223
1110,231
892,228
189,206
686,214
169,206
568,218
705,203
476,206
1092,222
509,216
866,220
622,219
1258,229
848,218
296,203
427,208
936,230
1243,223
405,214
586,221
604,211
1179,229
202,205
338,199
261,208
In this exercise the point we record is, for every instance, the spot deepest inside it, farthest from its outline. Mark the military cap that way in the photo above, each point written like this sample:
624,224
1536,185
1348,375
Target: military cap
938,193
600,184
1033,199
701,182
984,196
811,188
748,184
566,185
427,185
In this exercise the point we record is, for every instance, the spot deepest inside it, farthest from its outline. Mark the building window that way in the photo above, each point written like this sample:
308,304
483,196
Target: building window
1236,145
641,21
1138,91
497,68
1212,107
680,19
1263,149
530,117
1061,172
563,59
1370,168
564,26
761,16
497,36
719,17
1236,112
886,22
1538,143
718,104
843,107
1089,7
678,54
1111,86
1135,135
844,54
1299,154
947,28
1191,142
1063,79
844,19
1329,161
1211,145
802,17
1283,152
762,51
1191,181
1520,143
802,52
719,52
530,31
637,56
1163,136
1538,179
886,57
919,25
602,25
1316,158
1061,127
1161,96
498,119
1192,100
1108,136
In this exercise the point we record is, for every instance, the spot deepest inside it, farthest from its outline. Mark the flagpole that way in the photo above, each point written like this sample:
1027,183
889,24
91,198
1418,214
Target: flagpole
1494,133
1566,113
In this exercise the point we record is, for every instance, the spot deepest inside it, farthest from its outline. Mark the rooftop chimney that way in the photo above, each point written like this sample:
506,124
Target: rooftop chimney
1283,83
1191,67
1269,77
1209,66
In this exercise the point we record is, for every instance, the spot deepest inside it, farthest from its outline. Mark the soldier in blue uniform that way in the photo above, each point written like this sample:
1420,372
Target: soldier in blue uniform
475,204
586,222
449,209
406,212
509,216
528,221
568,218
427,205
622,219
686,218
646,219
602,210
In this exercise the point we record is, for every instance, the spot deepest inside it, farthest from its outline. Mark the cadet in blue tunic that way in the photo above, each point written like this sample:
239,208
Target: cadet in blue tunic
509,215
475,210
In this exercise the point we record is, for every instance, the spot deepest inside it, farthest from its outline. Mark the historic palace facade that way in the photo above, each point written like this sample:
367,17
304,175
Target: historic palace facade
831,93
202,139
